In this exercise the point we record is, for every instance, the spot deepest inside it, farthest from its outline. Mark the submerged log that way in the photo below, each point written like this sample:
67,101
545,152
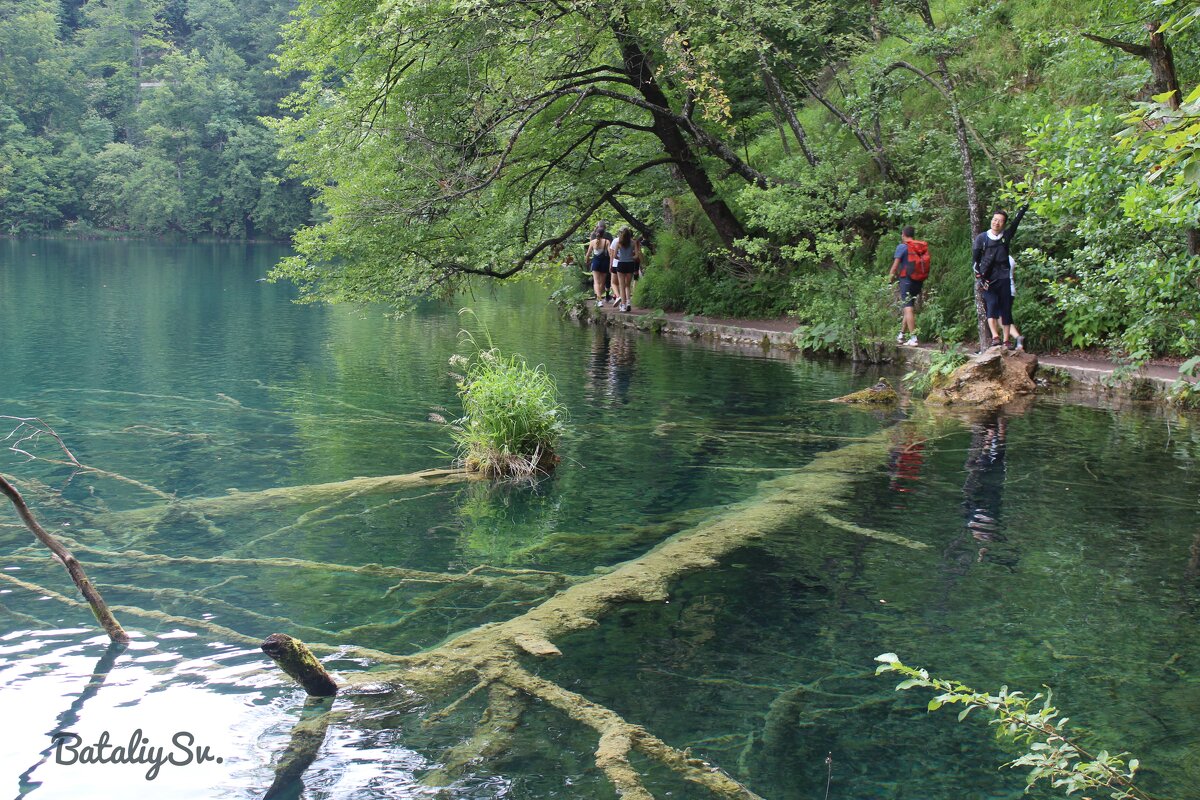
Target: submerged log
308,735
99,608
240,502
293,657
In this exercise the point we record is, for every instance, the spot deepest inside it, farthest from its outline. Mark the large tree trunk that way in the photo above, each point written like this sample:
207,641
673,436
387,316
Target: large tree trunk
968,172
641,72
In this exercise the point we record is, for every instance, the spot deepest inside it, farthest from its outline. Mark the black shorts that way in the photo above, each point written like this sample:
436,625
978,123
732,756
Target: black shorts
599,263
998,299
627,267
910,290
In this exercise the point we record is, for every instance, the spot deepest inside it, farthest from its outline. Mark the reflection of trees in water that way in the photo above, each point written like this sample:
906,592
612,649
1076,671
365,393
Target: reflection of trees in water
610,368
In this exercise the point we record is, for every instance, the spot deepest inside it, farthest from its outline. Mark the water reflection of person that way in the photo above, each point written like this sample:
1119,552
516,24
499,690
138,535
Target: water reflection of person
905,460
610,367
984,487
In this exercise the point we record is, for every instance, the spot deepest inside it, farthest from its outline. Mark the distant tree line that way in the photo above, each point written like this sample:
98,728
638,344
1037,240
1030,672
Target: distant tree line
142,116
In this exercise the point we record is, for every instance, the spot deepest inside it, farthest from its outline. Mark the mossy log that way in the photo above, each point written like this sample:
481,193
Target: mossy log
490,656
779,505
881,394
293,657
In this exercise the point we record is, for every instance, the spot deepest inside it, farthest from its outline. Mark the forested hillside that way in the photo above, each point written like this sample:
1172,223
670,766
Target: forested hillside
141,116
771,152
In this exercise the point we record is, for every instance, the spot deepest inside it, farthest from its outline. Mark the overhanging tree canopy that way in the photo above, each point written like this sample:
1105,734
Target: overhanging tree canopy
476,137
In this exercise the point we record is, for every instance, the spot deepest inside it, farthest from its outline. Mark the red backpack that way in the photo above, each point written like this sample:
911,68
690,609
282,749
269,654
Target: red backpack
918,260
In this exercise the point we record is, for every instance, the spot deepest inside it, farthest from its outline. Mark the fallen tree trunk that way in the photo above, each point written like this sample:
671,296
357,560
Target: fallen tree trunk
491,655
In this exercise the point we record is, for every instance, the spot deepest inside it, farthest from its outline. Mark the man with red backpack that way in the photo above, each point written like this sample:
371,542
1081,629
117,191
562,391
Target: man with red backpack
910,265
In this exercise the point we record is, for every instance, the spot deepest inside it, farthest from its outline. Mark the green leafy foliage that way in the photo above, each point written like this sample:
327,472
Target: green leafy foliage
942,364
1115,263
1050,754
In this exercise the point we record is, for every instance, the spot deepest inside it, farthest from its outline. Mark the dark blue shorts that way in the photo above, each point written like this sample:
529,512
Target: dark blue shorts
600,263
627,267
910,290
998,299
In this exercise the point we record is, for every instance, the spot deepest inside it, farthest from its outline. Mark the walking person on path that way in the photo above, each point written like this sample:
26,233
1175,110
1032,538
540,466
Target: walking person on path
990,254
598,260
910,266
626,255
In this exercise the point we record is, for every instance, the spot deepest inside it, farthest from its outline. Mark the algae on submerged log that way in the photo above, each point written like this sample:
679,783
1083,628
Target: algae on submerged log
294,658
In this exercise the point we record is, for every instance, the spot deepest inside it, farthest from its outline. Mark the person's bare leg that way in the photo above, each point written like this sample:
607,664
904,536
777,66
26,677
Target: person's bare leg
993,326
910,320
598,285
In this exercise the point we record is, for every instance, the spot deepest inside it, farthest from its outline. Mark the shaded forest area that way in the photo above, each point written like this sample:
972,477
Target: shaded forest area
142,117
770,151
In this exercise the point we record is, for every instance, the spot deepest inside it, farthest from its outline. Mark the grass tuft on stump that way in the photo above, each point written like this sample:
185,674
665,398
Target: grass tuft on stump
511,415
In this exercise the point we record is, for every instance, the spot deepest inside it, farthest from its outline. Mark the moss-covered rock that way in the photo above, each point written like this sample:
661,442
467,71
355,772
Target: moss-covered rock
881,394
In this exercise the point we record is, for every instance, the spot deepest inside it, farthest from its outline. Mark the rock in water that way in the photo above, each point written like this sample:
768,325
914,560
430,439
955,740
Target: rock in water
881,394
993,378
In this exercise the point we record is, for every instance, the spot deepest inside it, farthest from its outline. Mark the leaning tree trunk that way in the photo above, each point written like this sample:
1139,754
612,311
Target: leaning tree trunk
968,170
638,68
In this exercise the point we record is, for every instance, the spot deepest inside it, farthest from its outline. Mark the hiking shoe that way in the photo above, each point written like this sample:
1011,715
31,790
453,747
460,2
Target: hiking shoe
900,337
1021,343
599,304
1010,345
912,341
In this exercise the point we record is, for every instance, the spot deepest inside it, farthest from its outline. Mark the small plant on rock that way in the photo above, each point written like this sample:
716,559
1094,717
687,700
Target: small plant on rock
941,366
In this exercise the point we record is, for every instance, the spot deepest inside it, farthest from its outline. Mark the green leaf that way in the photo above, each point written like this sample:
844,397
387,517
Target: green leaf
935,704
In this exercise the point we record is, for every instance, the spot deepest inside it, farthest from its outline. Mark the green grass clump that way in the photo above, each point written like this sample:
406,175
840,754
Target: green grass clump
511,416
941,366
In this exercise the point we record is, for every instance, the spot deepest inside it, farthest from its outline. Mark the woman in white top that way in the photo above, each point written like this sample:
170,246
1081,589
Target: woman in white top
626,256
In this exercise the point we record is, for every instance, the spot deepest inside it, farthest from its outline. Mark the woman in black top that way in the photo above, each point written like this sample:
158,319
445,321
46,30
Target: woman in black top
597,255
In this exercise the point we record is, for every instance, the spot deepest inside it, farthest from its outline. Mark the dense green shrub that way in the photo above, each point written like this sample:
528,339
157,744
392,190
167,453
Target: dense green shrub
683,276
847,310
1115,267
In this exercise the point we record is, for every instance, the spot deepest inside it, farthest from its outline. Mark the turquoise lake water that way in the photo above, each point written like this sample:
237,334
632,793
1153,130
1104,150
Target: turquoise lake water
1063,548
